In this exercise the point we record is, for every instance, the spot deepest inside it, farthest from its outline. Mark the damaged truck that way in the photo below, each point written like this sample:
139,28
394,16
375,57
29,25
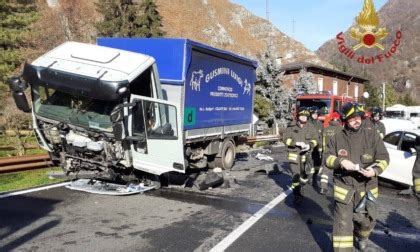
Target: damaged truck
131,109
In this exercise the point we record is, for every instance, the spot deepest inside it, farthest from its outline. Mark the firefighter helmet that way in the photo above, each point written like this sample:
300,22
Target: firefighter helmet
350,110
377,111
314,109
303,111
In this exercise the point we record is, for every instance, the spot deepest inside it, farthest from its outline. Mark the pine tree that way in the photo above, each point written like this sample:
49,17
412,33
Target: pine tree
15,19
150,22
269,88
126,18
374,99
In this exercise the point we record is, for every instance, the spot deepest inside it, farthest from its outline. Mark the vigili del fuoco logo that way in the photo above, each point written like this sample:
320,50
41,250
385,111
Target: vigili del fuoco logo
368,34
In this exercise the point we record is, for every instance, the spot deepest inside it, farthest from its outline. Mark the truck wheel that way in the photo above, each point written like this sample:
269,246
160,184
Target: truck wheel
227,158
155,181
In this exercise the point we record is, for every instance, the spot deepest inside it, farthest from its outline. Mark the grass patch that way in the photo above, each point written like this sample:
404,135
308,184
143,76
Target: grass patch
11,153
7,142
27,179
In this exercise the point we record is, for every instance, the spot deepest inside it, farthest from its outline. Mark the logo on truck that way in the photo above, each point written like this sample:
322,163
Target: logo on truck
247,87
195,82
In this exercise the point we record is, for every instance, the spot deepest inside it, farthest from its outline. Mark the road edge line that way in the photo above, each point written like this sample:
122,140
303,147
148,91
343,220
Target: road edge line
6,195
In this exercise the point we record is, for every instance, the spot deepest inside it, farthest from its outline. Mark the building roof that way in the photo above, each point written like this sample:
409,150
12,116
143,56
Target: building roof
296,67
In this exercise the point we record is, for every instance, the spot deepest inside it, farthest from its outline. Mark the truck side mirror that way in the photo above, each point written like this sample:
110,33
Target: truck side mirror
18,87
118,129
16,84
117,114
21,101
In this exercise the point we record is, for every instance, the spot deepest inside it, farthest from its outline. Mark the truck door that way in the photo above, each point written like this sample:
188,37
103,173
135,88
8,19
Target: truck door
156,127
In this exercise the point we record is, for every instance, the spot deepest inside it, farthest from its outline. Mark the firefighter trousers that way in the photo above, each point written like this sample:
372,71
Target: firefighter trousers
349,223
315,166
298,177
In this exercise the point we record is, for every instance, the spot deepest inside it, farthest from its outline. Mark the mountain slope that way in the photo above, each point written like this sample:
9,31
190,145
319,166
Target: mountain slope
223,24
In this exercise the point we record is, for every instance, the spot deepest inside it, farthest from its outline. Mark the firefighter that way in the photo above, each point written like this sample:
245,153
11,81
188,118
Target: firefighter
375,123
416,170
416,174
317,151
300,137
357,156
333,127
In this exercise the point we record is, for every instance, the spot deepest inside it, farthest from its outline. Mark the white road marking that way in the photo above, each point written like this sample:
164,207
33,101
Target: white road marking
32,190
232,237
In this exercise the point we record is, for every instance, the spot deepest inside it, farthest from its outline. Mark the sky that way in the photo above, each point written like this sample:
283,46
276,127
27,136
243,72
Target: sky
315,21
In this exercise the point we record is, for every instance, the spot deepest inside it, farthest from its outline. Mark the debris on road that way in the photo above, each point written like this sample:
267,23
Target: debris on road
106,188
210,179
261,156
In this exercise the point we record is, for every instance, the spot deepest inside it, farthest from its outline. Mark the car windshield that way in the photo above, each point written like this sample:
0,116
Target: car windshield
76,110
324,105
394,114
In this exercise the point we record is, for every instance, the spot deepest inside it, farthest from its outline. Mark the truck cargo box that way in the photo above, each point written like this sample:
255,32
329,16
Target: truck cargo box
215,88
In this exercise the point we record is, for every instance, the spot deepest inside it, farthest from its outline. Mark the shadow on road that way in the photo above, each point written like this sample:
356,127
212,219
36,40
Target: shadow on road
318,219
396,233
21,220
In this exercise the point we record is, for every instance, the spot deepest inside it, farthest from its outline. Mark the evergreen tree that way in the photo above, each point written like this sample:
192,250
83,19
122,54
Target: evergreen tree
126,18
406,100
305,84
374,99
15,18
150,22
391,96
272,97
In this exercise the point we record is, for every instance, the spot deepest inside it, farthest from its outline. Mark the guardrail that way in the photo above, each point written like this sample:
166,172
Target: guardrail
23,163
267,138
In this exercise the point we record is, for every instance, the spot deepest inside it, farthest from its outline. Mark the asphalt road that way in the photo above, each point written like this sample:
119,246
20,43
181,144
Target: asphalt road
177,219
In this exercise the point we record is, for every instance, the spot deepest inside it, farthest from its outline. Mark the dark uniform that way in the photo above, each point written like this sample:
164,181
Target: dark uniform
376,124
327,134
297,133
317,151
416,169
354,194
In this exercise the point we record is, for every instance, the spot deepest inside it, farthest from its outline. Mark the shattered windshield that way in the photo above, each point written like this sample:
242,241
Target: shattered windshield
324,105
76,110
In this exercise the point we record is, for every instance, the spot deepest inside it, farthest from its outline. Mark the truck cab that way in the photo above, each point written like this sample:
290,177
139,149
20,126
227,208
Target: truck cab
326,103
100,110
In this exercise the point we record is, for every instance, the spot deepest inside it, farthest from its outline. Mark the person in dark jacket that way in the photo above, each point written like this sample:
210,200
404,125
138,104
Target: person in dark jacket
415,189
300,138
357,155
375,122
416,170
328,133
317,151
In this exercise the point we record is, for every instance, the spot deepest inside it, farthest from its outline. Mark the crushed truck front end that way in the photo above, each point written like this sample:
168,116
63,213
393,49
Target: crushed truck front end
74,89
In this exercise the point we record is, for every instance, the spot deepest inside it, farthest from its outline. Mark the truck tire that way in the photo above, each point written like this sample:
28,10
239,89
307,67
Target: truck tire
155,181
227,155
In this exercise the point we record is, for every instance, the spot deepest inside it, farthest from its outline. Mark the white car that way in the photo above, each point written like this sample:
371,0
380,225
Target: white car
400,146
395,124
